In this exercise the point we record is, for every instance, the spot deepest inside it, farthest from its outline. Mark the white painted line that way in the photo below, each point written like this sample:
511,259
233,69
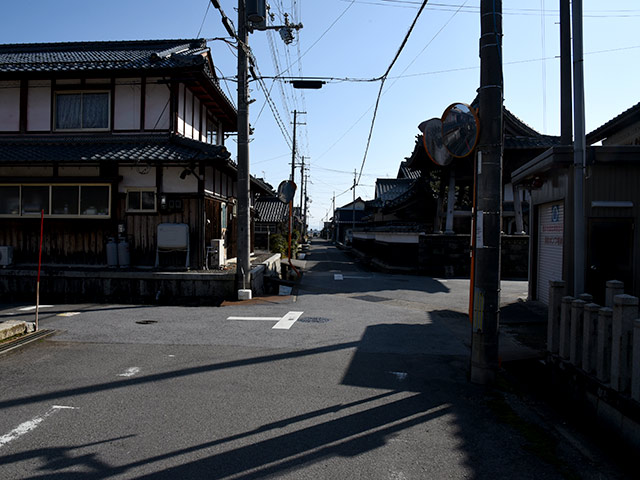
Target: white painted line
338,276
287,321
28,309
266,319
400,376
26,427
68,314
130,372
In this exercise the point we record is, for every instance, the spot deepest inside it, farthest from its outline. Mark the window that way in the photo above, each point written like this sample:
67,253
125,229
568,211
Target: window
74,201
141,200
82,110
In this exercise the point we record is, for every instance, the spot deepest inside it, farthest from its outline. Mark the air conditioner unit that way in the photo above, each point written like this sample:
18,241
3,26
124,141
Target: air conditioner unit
217,253
6,255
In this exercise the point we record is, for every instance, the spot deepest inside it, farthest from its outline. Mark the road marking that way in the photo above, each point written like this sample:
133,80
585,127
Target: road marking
130,372
338,276
400,376
287,321
28,309
68,314
282,323
266,319
26,427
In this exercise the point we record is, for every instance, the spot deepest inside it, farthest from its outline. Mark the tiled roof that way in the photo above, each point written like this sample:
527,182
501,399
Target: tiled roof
123,55
271,210
387,188
405,172
626,118
94,148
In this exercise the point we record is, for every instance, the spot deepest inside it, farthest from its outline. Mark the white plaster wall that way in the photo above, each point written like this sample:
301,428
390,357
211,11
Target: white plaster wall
134,177
26,171
39,106
188,115
68,81
127,104
223,189
79,171
181,109
172,183
398,237
98,81
10,106
507,195
196,118
157,110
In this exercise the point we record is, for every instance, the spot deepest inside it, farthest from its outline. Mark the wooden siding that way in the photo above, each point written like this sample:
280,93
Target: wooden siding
65,241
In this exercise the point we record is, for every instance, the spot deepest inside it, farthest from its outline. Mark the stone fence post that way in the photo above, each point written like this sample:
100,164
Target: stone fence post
590,337
635,367
614,287
625,311
556,292
603,360
575,347
565,327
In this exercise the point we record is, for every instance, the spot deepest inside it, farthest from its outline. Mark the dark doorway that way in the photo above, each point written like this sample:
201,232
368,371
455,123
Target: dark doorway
610,255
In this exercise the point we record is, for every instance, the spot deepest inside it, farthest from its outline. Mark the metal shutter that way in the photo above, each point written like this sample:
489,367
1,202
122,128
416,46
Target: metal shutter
550,245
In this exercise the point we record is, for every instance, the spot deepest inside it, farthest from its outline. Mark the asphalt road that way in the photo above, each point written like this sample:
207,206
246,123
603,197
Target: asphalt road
363,377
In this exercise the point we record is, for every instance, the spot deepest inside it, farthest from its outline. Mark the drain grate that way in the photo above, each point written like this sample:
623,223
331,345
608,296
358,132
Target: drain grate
371,298
146,322
314,320
24,340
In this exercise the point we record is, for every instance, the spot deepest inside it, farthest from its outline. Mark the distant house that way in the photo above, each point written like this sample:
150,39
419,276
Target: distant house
611,210
113,139
271,217
346,219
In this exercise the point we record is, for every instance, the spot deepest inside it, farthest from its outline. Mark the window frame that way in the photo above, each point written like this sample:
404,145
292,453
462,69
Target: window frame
81,92
140,190
48,214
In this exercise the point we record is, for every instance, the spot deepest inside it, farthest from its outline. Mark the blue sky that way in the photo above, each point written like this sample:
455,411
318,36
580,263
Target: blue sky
357,40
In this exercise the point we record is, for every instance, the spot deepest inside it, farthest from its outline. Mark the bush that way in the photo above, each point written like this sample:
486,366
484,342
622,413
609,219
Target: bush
280,243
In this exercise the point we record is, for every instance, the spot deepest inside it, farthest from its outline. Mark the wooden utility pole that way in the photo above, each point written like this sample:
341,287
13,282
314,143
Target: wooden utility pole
486,294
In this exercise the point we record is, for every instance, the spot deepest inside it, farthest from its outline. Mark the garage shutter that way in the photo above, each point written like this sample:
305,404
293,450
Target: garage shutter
550,243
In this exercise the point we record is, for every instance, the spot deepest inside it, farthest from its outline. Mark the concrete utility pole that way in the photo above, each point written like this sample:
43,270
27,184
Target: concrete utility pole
302,196
486,295
243,267
566,105
579,148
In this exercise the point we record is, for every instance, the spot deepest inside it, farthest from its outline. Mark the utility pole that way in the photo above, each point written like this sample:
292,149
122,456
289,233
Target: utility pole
579,148
293,149
243,267
353,206
486,295
302,195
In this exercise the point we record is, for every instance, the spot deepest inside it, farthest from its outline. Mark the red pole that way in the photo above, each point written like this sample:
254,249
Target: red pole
39,266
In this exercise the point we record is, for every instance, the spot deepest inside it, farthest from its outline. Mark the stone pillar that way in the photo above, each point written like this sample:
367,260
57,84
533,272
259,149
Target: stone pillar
590,337
556,292
603,356
614,287
577,320
586,297
635,367
565,327
625,311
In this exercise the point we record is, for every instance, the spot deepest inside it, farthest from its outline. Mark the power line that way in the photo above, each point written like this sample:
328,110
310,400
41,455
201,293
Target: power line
382,81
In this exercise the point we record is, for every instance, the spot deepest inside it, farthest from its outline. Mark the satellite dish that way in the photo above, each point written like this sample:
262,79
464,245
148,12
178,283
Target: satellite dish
432,139
286,191
460,127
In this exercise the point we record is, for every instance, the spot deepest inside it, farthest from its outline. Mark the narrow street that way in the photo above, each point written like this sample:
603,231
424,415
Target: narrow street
359,374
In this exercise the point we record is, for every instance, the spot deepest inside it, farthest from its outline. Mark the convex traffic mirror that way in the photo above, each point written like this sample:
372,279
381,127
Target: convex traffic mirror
460,127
